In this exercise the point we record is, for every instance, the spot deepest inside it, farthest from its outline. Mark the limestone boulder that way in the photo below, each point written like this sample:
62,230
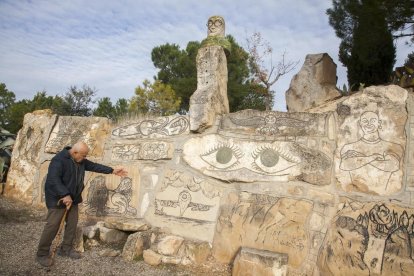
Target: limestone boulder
210,99
135,245
169,245
372,140
262,222
368,238
151,257
112,235
26,159
314,84
126,224
251,261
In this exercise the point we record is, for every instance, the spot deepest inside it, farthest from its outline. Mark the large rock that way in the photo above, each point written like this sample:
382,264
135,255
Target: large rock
251,261
313,85
126,224
371,140
151,257
135,245
262,222
169,245
111,235
210,98
371,238
23,175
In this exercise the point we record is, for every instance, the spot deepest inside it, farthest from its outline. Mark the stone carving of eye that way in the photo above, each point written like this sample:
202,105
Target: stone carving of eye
272,160
223,156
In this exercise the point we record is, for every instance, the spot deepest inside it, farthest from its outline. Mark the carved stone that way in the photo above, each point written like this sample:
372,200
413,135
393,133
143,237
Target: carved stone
371,141
313,85
251,261
262,222
210,98
248,161
369,239
69,130
26,155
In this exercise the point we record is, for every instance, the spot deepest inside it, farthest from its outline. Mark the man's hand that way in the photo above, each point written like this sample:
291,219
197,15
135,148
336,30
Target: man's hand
120,172
67,200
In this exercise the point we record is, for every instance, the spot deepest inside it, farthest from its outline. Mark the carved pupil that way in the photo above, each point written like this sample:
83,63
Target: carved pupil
224,155
269,158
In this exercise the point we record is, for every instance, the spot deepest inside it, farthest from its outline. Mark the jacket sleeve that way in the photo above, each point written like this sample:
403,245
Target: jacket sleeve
95,167
55,174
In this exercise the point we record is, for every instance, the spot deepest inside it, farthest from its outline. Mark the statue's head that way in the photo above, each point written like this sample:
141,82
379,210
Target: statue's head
215,26
370,122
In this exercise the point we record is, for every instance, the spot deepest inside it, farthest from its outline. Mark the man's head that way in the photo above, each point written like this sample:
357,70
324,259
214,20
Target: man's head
79,151
369,122
215,26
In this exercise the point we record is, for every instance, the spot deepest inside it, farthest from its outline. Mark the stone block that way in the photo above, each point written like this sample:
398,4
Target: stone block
151,257
111,235
135,245
125,224
169,245
251,261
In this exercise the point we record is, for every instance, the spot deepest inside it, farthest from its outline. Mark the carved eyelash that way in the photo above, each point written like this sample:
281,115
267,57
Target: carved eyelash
236,151
287,156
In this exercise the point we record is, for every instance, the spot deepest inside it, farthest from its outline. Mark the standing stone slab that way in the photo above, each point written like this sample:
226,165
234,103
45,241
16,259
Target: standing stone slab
210,98
69,130
262,222
112,196
187,205
26,156
251,261
371,140
372,238
313,85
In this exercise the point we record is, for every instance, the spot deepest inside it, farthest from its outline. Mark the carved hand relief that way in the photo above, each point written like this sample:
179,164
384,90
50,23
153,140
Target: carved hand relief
70,130
102,200
372,164
142,151
232,160
369,239
189,197
153,128
262,222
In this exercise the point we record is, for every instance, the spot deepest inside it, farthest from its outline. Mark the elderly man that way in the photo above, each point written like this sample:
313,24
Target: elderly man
63,189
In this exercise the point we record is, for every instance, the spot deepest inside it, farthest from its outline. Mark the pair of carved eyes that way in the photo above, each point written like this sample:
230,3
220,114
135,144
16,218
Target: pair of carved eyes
266,159
216,23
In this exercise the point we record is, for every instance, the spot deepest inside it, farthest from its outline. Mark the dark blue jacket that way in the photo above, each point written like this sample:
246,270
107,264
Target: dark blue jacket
65,177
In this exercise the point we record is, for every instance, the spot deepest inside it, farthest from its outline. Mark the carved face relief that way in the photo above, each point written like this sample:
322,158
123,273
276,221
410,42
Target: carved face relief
249,161
369,122
215,26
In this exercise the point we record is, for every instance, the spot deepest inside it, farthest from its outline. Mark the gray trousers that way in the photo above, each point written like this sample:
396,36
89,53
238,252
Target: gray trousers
54,217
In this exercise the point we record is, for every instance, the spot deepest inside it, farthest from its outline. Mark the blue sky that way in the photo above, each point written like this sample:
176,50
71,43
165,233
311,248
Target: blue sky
52,45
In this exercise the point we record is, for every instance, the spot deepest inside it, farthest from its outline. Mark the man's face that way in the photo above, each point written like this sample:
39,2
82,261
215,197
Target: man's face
369,122
78,156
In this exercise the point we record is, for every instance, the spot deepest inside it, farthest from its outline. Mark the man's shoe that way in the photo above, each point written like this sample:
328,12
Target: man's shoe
44,261
69,253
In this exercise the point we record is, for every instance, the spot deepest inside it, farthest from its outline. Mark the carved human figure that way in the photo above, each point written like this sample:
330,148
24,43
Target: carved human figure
371,160
210,99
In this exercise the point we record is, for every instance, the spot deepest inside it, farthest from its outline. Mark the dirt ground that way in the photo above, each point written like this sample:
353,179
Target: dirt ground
20,228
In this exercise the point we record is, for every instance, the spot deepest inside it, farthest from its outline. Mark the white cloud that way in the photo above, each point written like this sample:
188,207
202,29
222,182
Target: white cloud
51,45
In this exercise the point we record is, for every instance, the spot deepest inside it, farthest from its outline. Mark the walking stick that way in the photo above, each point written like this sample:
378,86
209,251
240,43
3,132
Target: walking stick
59,232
